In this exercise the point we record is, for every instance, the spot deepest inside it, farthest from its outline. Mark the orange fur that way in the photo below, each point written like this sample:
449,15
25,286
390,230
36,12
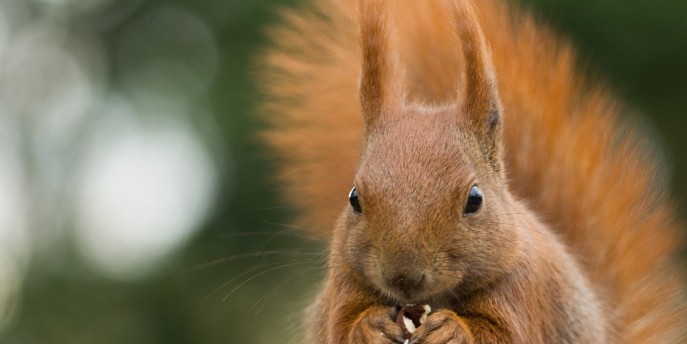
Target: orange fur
576,237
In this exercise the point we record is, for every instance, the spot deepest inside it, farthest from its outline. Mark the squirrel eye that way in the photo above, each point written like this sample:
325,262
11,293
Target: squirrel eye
355,202
353,199
474,202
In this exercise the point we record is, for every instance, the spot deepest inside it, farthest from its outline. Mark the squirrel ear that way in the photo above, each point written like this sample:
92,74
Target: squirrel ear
375,85
481,107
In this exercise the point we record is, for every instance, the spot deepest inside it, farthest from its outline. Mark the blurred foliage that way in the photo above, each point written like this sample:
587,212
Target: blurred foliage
640,49
245,276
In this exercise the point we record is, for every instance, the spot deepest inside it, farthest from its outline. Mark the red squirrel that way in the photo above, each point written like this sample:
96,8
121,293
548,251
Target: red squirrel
490,180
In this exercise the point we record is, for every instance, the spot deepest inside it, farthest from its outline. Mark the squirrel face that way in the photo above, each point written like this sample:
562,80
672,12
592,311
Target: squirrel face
407,234
414,232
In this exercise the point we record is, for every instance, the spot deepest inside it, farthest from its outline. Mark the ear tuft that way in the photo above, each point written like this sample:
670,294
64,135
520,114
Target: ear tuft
374,40
481,104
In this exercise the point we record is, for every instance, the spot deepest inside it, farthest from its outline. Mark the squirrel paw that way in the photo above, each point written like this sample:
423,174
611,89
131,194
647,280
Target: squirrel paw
442,327
376,326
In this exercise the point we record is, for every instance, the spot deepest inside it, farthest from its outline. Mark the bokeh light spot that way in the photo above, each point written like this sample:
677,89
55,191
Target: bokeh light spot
144,192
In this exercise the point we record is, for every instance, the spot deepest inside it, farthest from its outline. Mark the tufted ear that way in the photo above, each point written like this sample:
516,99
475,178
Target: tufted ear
481,107
376,86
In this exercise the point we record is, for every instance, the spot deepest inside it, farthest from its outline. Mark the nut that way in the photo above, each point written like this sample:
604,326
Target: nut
410,317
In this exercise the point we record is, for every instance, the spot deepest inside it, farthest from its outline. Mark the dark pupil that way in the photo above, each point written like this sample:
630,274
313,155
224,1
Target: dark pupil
353,198
474,200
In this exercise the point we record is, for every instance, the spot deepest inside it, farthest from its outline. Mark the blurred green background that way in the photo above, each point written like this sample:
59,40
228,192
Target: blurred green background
135,203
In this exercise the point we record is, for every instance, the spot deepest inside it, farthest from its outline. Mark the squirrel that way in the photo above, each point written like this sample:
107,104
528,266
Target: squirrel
490,179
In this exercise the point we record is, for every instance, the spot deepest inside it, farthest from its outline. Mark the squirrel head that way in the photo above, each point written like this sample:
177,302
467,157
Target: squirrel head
430,214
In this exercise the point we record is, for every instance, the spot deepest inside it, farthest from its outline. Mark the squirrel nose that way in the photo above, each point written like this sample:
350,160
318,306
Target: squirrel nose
407,283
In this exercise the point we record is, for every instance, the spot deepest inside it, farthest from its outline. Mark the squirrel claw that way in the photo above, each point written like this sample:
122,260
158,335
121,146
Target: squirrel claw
376,326
442,327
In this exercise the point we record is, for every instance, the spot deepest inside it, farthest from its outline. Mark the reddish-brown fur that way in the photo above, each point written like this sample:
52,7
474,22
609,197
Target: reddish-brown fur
575,239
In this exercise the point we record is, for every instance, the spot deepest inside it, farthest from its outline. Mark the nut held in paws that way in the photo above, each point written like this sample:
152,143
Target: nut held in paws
410,317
